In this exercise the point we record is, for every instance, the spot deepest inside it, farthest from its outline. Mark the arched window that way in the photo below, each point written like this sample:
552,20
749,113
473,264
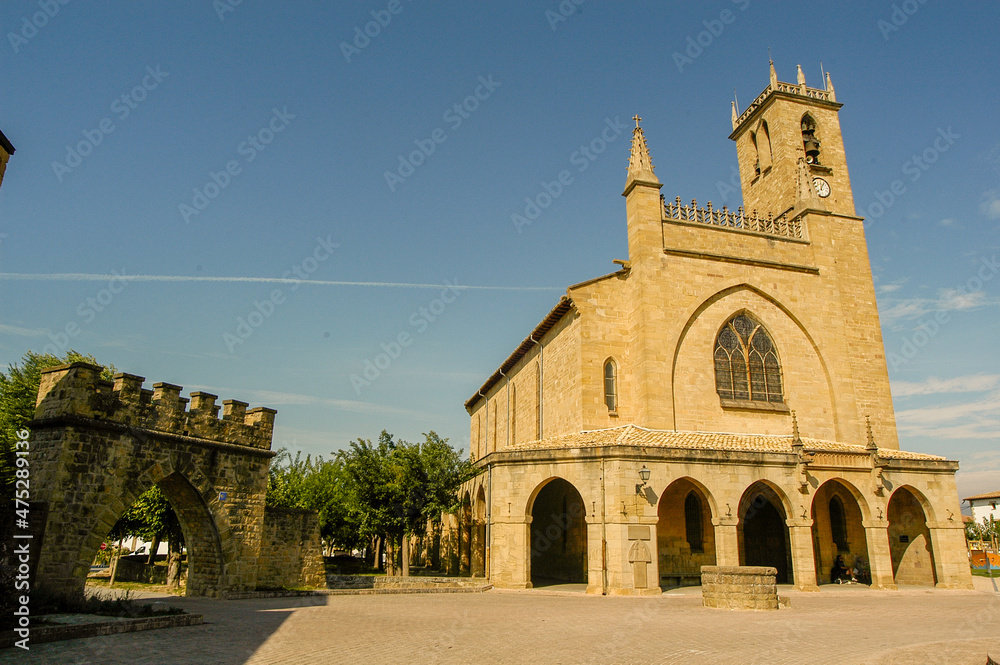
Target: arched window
838,524
756,154
692,522
746,362
610,385
810,144
764,146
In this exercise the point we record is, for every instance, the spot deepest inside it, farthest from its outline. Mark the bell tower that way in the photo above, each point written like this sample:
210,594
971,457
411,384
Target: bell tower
790,149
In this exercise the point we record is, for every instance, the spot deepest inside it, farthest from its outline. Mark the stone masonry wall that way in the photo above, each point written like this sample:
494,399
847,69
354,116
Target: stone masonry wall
291,554
739,587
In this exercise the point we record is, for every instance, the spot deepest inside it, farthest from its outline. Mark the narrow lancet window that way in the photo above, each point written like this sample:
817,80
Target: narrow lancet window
611,385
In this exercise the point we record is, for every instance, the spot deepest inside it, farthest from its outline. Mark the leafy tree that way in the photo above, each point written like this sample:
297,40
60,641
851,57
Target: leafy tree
372,492
398,486
317,484
151,517
988,530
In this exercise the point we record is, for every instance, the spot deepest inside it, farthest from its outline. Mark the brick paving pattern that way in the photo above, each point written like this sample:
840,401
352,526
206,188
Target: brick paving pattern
845,626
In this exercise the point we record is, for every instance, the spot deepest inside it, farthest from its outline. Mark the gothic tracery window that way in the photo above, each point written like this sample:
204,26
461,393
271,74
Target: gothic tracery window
746,362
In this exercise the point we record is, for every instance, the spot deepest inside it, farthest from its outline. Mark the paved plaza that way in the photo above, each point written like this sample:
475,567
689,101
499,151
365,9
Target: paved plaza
841,625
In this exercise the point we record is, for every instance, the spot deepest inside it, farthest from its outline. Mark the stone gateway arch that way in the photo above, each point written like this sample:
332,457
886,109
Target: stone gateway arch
97,446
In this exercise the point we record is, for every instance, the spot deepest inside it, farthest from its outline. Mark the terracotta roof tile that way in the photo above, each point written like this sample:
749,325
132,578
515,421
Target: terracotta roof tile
633,435
988,495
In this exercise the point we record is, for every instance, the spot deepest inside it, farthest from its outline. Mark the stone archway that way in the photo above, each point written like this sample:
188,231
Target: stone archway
684,532
838,529
98,446
763,532
910,539
558,545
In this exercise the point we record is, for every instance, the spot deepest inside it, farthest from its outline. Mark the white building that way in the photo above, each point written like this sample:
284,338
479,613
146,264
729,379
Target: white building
984,506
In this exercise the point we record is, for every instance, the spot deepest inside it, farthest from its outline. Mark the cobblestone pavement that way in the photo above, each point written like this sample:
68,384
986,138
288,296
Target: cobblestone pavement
841,625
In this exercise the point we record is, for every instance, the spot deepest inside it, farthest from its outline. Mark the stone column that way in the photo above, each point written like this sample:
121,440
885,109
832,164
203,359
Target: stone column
510,558
803,557
595,558
951,563
879,555
727,544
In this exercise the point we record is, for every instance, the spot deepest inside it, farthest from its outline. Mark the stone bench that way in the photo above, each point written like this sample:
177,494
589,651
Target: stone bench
739,587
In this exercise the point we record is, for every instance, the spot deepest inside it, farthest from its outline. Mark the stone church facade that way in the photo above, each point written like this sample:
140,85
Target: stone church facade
722,399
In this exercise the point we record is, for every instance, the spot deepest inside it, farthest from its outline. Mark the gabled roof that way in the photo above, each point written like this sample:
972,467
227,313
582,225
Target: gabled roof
6,145
548,323
988,495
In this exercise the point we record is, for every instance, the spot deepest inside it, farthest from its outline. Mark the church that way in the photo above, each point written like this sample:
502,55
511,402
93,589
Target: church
721,399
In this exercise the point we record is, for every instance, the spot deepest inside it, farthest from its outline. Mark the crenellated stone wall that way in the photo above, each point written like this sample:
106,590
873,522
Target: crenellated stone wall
96,446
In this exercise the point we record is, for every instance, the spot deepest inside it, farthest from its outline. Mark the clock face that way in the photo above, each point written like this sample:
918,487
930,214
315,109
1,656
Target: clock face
822,187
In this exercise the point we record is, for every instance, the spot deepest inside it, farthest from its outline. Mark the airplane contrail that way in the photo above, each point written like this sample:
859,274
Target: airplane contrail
91,277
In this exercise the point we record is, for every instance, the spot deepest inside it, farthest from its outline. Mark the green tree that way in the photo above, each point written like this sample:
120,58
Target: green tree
317,484
151,517
372,493
398,487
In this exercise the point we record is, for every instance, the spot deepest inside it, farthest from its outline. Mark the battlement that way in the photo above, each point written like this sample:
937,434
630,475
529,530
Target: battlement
78,390
738,220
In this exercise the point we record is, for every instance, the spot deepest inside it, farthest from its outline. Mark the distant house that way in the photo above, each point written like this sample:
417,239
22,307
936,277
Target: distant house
984,506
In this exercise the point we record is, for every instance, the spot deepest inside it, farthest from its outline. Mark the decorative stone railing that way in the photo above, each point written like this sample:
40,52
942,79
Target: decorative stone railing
789,88
738,220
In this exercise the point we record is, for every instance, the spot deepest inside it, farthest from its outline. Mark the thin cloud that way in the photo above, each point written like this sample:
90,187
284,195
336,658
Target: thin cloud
277,399
91,277
991,205
891,287
959,384
22,332
978,419
949,300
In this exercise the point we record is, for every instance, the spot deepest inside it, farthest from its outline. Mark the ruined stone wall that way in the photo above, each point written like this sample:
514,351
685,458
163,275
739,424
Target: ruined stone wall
290,550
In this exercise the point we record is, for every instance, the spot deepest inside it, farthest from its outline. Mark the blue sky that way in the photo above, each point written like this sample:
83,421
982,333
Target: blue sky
253,141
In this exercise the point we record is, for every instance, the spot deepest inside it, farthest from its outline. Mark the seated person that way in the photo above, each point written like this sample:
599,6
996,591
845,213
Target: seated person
839,571
860,573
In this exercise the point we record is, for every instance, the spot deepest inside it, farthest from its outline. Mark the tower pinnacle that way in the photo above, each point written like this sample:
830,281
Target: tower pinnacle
640,168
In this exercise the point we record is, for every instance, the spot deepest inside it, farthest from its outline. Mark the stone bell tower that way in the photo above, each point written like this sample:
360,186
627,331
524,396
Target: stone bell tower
790,149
